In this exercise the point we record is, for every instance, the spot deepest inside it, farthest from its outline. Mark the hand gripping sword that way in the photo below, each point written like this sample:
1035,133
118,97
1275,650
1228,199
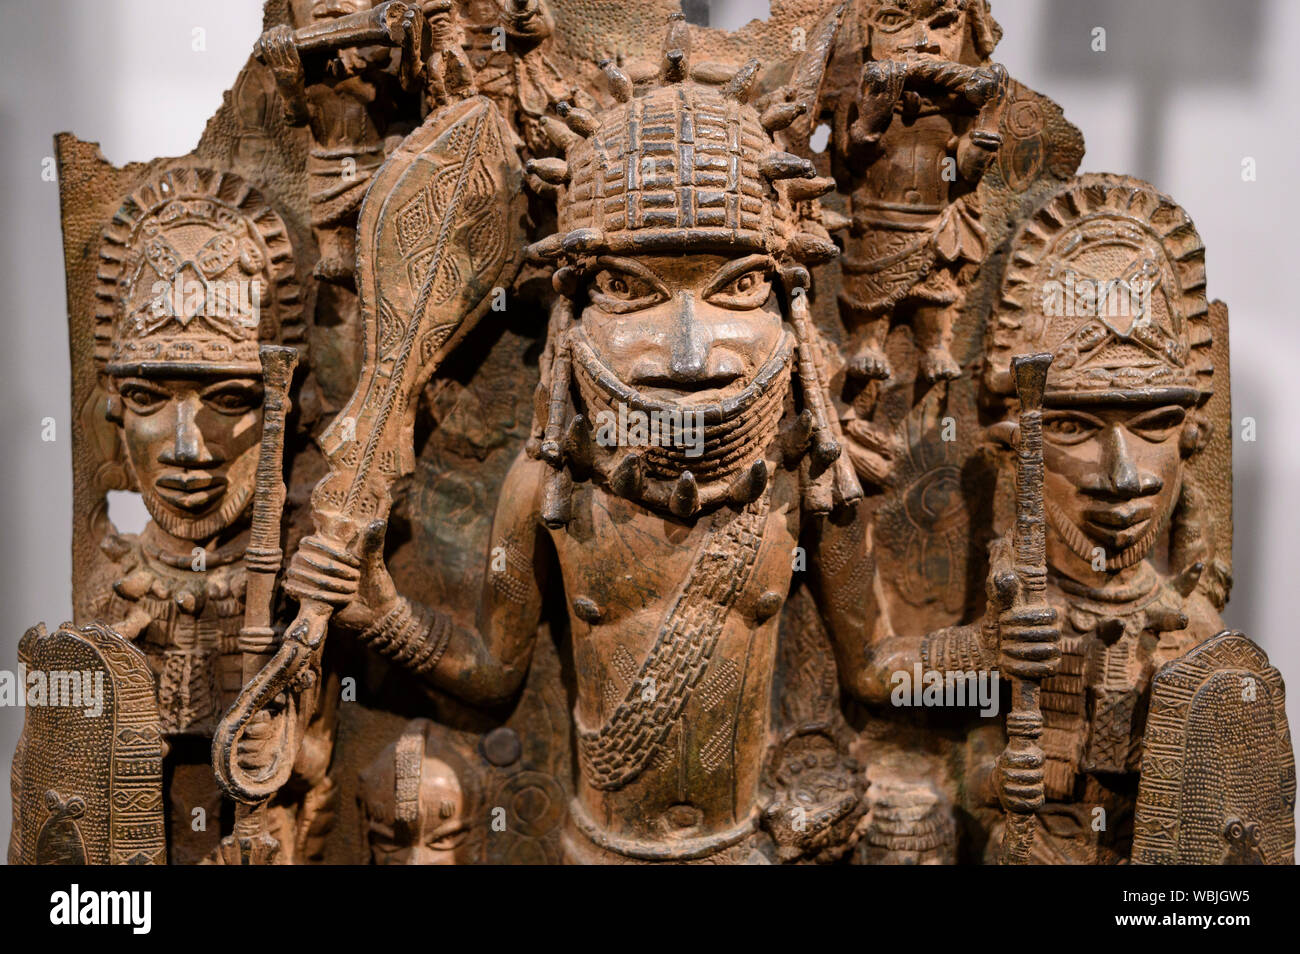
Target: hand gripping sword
1021,762
438,238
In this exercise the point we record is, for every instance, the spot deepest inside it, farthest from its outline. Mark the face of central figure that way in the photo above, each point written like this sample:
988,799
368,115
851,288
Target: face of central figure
692,329
927,28
1113,474
192,444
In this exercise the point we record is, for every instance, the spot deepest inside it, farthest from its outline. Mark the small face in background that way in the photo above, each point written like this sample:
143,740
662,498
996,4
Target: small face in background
427,832
693,329
192,445
1113,474
928,28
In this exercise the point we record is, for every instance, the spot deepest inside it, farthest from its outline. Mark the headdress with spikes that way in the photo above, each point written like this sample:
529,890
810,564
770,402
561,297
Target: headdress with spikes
1108,276
685,165
685,162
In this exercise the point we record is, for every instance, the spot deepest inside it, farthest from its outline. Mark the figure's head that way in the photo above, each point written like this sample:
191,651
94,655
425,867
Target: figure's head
442,8
958,31
1109,277
487,11
415,805
691,329
683,229
196,272
675,239
191,445
1113,473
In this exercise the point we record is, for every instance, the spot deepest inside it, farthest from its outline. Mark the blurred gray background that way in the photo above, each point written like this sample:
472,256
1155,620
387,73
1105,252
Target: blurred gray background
1185,90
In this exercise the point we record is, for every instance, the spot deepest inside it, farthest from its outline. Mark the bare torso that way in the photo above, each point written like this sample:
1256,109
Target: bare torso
674,635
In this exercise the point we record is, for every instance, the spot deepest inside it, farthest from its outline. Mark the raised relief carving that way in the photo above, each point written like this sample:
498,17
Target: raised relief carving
88,774
551,456
914,138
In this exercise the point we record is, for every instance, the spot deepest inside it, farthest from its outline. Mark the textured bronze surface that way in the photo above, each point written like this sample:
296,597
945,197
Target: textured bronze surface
646,473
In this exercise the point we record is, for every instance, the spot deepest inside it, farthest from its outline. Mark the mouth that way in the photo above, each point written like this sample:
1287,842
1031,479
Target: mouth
700,390
191,492
1119,525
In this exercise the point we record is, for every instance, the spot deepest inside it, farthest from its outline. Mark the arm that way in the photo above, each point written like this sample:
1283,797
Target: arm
487,662
276,48
979,145
847,589
867,116
868,653
975,151
483,662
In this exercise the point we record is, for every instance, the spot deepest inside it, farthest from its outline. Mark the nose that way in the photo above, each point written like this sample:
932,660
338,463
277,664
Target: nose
922,43
187,448
1121,468
690,346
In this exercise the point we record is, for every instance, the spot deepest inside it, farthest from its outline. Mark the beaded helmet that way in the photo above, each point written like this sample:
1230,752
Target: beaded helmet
684,162
1109,277
196,271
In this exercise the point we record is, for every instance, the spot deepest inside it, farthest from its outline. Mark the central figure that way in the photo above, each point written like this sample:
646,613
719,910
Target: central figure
683,426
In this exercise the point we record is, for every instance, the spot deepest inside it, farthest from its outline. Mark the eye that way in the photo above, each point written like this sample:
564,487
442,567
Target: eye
945,19
1158,425
1069,428
141,399
447,840
891,20
619,291
236,399
749,290
622,286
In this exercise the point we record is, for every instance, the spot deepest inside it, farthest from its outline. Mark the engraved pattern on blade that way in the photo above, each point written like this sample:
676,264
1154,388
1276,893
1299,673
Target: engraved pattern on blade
438,207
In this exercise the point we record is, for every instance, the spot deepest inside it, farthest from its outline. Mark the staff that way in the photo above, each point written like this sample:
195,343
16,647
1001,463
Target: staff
1021,763
252,843
387,25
